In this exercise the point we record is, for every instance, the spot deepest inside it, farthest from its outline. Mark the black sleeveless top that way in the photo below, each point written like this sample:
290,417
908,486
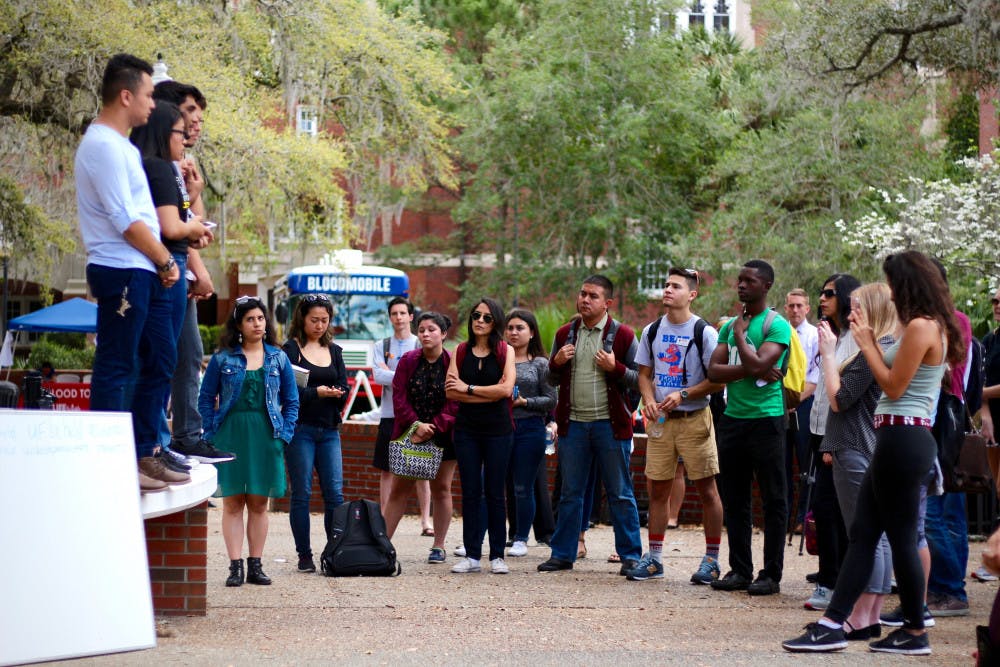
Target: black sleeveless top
490,418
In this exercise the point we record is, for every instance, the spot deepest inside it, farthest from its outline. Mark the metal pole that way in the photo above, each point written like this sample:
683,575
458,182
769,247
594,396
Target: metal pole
3,313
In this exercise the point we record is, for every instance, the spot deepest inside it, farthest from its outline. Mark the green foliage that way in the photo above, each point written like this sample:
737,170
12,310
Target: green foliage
30,241
962,129
210,337
62,357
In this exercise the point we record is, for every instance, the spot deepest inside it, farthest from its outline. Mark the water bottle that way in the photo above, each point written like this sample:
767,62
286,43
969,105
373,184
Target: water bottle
656,428
550,439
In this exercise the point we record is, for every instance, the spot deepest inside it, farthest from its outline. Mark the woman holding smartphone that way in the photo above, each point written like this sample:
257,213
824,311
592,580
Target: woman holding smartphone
910,374
316,443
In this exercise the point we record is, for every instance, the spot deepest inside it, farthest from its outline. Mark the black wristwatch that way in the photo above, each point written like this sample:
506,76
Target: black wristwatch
167,266
469,390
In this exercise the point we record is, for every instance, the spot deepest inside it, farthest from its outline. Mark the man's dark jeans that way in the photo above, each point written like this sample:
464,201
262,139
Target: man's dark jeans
751,448
133,328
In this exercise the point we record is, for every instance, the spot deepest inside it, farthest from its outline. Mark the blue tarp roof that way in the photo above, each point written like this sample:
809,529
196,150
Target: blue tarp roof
75,315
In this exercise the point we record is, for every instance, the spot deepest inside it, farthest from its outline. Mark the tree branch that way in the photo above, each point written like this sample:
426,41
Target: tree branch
902,52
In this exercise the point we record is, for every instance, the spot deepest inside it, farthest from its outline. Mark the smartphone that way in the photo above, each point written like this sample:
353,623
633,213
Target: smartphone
209,224
856,304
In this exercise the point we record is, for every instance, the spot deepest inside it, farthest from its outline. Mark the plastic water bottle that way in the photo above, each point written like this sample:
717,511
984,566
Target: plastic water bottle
550,439
656,428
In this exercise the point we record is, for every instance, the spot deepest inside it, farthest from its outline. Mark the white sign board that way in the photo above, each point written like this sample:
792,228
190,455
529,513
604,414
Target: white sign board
74,577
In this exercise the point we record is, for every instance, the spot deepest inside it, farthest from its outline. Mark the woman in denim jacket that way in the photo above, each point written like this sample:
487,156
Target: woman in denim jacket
258,405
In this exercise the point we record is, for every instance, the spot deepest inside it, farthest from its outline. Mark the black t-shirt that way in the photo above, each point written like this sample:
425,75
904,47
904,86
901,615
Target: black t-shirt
165,188
494,417
313,410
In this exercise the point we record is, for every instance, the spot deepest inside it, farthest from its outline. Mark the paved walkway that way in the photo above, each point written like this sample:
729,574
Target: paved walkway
589,616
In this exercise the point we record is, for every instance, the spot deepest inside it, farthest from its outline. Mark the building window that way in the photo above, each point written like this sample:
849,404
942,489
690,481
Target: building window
721,20
652,277
307,120
696,17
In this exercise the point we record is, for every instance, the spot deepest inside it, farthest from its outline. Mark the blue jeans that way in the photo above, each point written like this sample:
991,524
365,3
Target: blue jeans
178,310
948,538
131,309
482,466
529,449
184,385
583,444
313,446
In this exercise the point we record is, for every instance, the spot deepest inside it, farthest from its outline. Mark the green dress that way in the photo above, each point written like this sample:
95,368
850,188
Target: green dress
259,468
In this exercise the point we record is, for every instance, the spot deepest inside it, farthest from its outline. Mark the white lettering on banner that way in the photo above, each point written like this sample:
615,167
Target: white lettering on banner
347,284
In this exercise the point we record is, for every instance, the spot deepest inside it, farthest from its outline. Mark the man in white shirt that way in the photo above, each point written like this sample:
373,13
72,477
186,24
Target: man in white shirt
797,311
128,269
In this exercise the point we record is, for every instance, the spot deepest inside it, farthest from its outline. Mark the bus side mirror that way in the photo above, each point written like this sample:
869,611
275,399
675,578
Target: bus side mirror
281,312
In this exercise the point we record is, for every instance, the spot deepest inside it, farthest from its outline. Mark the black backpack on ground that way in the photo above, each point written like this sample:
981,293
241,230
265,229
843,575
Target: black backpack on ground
357,545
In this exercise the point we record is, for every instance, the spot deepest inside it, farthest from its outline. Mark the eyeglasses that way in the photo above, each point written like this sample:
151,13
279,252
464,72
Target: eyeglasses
315,298
828,293
244,300
183,133
485,317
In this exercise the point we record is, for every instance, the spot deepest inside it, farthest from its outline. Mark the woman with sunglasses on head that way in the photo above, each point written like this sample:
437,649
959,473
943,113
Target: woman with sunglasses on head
258,406
910,374
849,442
481,378
161,143
418,397
535,399
831,534
316,443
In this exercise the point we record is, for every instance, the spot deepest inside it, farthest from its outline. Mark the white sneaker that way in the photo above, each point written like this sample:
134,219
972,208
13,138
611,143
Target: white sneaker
498,566
982,574
465,566
518,549
459,550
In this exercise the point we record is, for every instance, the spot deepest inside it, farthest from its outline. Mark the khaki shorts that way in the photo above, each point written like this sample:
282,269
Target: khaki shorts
692,438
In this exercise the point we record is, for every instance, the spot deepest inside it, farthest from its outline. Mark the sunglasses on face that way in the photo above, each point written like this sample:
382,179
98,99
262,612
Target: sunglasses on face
485,317
828,293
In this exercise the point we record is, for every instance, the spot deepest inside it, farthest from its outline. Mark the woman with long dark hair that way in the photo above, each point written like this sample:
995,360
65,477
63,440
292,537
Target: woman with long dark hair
535,399
909,374
316,443
258,406
481,378
419,397
161,143
831,534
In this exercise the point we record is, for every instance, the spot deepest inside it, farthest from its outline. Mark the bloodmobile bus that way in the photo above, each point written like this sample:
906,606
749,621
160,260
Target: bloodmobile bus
360,295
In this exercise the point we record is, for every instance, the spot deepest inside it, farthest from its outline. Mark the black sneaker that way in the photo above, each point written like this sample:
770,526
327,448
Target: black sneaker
901,641
817,639
731,582
894,618
306,563
204,451
764,585
173,460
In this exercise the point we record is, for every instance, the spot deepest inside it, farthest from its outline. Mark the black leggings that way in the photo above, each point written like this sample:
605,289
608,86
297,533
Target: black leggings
888,501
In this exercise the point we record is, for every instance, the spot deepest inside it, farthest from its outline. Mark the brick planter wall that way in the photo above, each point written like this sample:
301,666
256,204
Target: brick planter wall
361,478
177,547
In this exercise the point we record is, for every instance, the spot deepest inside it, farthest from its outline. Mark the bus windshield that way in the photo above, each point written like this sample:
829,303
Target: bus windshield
356,316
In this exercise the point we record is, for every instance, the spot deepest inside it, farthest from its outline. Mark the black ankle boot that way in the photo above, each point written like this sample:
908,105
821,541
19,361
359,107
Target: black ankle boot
235,573
255,575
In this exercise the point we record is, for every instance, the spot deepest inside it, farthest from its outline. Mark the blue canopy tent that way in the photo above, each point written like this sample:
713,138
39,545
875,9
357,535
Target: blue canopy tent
76,315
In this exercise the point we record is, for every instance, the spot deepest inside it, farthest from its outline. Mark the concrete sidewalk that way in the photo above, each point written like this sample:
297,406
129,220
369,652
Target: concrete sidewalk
588,616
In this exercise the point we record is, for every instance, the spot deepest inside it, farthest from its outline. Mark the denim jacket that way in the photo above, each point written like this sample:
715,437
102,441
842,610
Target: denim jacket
224,379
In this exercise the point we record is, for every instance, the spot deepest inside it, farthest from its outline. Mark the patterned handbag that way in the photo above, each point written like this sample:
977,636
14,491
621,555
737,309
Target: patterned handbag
412,460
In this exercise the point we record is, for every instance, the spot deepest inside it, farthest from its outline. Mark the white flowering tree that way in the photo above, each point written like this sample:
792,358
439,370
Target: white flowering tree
957,222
